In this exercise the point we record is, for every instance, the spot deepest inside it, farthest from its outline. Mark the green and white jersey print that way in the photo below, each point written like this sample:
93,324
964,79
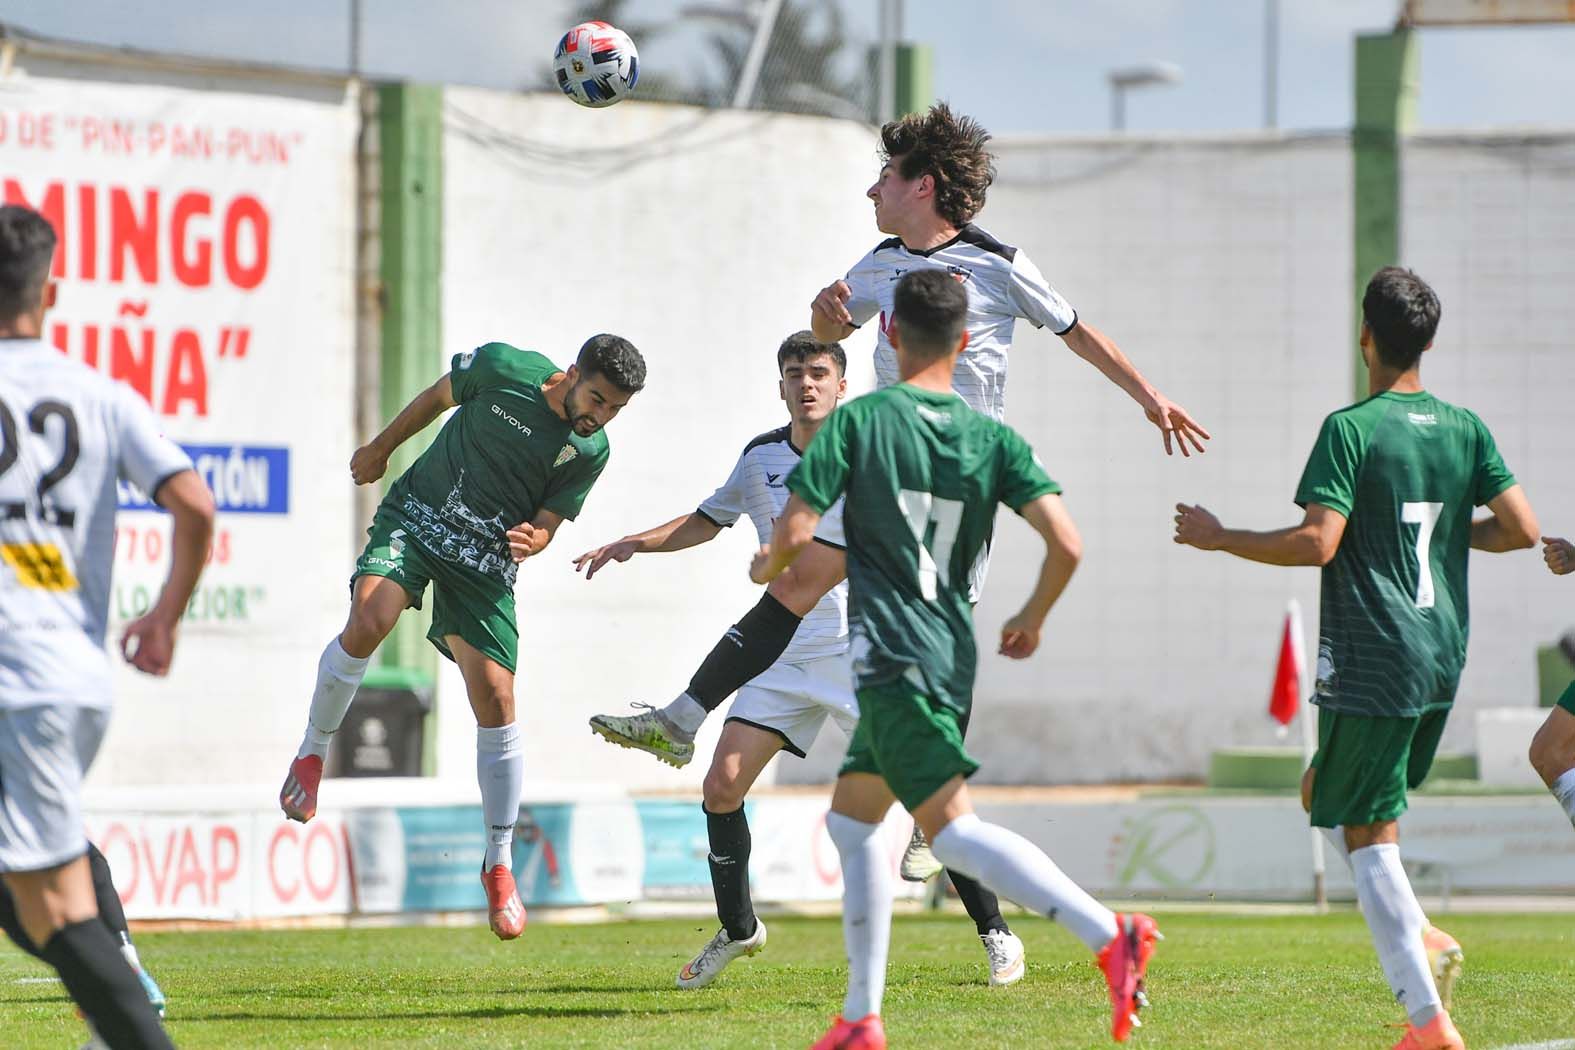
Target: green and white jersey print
1406,470
922,473
500,458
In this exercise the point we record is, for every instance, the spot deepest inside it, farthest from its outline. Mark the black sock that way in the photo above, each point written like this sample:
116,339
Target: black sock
984,908
729,860
752,645
89,962
109,909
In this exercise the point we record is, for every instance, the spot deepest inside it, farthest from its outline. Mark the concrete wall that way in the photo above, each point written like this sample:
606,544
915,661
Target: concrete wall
1219,265
701,236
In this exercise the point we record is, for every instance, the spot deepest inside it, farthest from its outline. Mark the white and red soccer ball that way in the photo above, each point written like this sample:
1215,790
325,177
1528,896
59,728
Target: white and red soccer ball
596,64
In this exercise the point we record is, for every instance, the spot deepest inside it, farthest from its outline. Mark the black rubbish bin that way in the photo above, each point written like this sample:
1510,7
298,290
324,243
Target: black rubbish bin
385,729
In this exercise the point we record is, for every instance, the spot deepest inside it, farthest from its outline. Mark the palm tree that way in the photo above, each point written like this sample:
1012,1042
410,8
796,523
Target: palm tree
806,69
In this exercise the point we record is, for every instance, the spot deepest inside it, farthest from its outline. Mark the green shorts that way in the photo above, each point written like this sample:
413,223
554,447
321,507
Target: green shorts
1366,765
909,739
479,610
1567,701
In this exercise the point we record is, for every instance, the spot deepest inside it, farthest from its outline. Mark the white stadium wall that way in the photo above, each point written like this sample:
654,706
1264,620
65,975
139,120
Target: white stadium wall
1222,266
702,236
207,244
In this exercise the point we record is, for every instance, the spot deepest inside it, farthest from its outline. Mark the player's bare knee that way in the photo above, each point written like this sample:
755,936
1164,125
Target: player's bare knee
1547,756
367,627
493,708
1307,788
721,789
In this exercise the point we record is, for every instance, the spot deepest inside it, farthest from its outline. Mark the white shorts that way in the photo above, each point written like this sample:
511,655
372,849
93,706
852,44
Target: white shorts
45,751
794,700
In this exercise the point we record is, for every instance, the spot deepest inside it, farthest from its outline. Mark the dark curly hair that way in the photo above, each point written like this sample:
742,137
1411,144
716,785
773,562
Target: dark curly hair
948,147
615,358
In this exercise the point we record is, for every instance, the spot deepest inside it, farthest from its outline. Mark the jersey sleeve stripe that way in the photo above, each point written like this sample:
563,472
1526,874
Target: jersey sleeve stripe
719,524
829,543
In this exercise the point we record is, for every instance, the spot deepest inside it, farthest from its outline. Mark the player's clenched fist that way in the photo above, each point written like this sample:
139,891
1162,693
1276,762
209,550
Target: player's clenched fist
831,304
1559,554
526,539
1020,636
368,464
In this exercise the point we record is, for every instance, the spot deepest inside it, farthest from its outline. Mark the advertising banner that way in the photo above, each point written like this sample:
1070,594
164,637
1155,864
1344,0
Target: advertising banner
206,260
224,866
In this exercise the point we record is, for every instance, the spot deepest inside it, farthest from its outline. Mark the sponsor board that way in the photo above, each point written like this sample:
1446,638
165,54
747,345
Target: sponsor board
224,866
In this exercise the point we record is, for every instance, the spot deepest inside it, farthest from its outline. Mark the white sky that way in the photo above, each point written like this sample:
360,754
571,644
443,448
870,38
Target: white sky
1018,65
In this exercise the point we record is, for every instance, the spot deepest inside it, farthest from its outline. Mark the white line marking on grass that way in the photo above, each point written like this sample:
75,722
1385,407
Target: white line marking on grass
1557,1044
38,980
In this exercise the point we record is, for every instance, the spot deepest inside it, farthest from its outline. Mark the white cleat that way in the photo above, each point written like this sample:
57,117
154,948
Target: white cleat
918,863
714,957
1005,953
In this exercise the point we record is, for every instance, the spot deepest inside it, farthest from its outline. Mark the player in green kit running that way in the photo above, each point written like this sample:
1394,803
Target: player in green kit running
525,447
1553,748
923,473
1389,492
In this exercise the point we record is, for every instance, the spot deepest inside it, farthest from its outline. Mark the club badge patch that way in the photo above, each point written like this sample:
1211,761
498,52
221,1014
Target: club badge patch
566,453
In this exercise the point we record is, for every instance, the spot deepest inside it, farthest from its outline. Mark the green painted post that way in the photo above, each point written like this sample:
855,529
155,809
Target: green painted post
1386,92
915,88
410,141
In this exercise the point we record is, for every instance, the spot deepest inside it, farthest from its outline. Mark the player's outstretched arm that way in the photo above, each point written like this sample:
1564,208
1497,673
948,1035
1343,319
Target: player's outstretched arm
1099,350
793,532
1559,554
149,641
1063,547
1313,542
689,530
1513,526
371,460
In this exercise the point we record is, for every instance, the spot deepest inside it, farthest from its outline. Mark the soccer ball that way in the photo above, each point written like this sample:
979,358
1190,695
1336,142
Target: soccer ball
596,64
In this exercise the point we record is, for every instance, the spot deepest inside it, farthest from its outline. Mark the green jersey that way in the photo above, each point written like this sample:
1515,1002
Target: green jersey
1406,470
500,458
923,473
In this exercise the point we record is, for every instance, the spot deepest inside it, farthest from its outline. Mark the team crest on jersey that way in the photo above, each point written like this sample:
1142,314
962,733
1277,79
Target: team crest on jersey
960,274
566,453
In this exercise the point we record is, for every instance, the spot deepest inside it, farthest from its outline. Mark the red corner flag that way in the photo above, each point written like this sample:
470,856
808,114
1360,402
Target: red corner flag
1285,697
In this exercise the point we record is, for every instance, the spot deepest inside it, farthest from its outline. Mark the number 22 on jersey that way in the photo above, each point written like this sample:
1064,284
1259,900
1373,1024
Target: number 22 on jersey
934,521
1425,517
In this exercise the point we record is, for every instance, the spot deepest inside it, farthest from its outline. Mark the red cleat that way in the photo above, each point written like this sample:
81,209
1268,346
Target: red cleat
298,797
864,1034
1438,1034
505,911
1125,961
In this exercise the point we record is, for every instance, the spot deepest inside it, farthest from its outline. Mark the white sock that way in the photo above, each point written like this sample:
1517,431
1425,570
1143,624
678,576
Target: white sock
1018,870
1396,922
1336,837
686,714
130,953
338,676
500,770
866,911
1564,790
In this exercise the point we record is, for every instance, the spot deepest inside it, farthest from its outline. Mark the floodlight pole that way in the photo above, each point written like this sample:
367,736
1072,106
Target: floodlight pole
749,77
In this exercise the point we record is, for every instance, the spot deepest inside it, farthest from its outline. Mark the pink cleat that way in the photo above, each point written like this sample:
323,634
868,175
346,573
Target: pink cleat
864,1034
1438,1034
505,911
1125,962
298,797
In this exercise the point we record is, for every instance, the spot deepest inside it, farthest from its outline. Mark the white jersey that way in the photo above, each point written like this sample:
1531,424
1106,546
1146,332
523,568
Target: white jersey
1003,285
67,433
758,487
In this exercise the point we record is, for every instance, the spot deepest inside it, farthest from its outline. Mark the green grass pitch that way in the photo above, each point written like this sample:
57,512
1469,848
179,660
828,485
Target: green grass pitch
1217,981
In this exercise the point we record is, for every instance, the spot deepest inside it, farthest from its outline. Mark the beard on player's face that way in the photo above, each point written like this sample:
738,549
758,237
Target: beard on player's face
577,405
